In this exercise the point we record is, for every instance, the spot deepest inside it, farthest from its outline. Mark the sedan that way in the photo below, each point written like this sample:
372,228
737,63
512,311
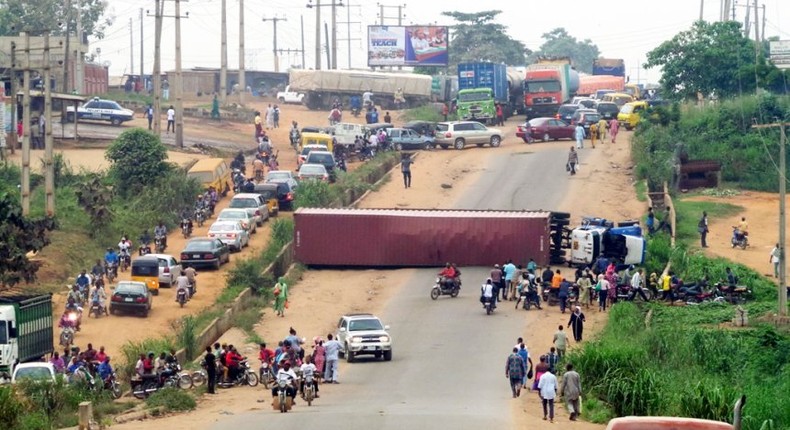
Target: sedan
286,193
205,252
131,296
281,175
406,138
169,269
247,221
312,171
545,129
231,233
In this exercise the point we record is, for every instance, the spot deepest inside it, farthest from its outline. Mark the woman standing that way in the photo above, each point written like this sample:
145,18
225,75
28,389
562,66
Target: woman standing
614,127
577,324
584,290
602,287
319,356
280,293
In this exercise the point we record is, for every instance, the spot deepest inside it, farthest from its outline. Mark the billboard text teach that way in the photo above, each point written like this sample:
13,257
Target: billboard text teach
407,46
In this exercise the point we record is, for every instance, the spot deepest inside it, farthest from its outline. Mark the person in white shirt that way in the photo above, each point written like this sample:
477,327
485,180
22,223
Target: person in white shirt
637,286
373,140
308,370
548,392
182,283
285,373
332,349
171,119
487,292
775,253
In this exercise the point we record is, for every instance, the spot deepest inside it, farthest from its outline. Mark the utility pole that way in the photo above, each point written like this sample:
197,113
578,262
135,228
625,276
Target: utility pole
49,173
301,19
289,51
158,11
223,68
179,82
334,35
328,54
131,49
701,9
274,50
400,17
317,34
142,67
763,31
66,54
756,26
332,64
782,220
26,124
14,116
79,78
348,23
242,78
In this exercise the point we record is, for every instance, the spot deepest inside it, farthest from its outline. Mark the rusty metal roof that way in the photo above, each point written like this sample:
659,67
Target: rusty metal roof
459,213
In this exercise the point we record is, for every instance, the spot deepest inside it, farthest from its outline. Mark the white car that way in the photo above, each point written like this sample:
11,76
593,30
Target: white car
101,110
241,215
254,204
37,371
362,334
231,233
313,171
169,269
289,96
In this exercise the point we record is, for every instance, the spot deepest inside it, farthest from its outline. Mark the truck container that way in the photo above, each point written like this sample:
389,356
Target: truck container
590,84
26,332
480,87
322,87
406,238
609,66
547,85
444,88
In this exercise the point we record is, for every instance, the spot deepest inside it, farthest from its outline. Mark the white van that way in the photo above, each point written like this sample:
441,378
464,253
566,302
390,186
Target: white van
346,132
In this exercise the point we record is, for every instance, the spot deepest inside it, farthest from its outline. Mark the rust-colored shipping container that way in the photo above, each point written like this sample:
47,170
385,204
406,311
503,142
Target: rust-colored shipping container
396,238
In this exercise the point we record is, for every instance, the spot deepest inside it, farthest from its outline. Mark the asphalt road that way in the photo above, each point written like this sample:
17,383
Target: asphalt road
449,357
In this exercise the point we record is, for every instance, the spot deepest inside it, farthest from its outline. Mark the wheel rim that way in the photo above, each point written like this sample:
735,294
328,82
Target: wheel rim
185,382
459,144
252,379
546,137
435,293
495,141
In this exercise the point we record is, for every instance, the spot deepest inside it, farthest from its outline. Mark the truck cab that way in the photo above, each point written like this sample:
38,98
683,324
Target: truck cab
25,329
476,104
587,243
542,92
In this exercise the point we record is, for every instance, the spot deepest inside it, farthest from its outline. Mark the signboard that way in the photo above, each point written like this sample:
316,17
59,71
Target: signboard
407,46
780,53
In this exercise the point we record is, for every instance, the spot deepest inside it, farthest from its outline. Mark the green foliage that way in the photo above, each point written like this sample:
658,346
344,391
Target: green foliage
171,399
186,335
95,199
11,408
138,160
18,236
710,58
314,194
131,351
282,231
558,43
478,37
21,15
425,113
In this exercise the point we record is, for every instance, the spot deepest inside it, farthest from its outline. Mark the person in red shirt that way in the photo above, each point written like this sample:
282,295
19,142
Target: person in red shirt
500,115
265,354
148,364
101,355
449,274
232,358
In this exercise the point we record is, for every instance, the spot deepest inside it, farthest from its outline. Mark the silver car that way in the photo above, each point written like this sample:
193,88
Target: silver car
231,233
241,215
254,204
169,269
313,171
461,133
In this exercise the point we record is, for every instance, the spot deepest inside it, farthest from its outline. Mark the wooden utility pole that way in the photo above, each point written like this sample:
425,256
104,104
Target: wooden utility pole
782,220
242,78
157,78
49,171
178,85
131,49
274,38
223,56
26,124
328,54
79,77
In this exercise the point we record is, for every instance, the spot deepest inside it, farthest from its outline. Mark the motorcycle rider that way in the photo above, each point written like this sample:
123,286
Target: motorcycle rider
111,261
448,275
98,296
191,274
295,342
124,249
286,374
105,370
97,271
182,284
238,162
232,359
160,232
294,134
145,240
487,293
83,281
257,167
249,186
308,369
76,295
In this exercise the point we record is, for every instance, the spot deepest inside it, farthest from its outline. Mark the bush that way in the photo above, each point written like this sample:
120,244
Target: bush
138,160
131,352
11,409
314,194
171,399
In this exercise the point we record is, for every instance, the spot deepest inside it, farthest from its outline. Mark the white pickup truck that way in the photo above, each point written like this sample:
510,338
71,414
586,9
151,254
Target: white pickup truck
289,96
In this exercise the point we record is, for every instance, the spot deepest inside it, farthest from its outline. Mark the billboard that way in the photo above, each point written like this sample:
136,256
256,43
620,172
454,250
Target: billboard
418,45
780,53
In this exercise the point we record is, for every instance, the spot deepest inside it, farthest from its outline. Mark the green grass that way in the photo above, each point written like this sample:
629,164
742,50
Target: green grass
689,213
171,399
640,187
426,113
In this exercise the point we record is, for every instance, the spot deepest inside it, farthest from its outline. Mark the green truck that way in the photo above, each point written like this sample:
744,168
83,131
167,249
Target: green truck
26,332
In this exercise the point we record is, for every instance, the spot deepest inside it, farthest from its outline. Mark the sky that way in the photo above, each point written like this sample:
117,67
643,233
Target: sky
620,29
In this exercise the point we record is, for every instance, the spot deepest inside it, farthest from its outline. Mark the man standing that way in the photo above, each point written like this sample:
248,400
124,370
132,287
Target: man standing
548,392
651,221
702,228
560,341
562,293
573,160
515,369
775,259
332,349
387,117
210,364
510,270
579,135
571,390
165,89
637,286
149,115
258,125
405,167
445,111
496,280
500,115
171,119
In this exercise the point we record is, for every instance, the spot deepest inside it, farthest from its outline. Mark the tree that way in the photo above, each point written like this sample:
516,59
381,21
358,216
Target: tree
558,43
138,159
95,198
19,236
710,58
477,37
19,15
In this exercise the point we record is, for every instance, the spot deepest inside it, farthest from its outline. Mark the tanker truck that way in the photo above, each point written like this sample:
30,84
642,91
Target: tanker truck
481,86
322,87
548,84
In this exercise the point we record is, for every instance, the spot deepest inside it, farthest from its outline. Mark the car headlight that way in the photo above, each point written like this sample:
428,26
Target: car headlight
384,338
356,339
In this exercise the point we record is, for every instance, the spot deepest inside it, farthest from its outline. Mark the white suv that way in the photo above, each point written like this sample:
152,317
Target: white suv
364,334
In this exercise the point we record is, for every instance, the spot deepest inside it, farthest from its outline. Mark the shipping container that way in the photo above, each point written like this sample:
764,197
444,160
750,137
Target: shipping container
414,238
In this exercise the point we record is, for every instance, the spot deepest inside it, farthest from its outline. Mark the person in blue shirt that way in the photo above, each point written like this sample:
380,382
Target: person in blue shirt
83,281
651,221
532,267
105,369
76,363
111,258
510,270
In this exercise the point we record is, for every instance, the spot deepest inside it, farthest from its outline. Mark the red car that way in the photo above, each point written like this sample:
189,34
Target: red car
545,129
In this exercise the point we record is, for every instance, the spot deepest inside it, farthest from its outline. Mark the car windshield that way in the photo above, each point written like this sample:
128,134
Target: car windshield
320,158
33,373
312,170
232,215
278,175
442,127
201,177
592,117
306,150
473,97
537,122
626,109
365,325
199,245
129,288
607,107
113,105
242,203
3,332
564,110
543,87
223,227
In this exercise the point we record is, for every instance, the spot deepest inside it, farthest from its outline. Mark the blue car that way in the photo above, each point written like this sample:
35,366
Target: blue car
404,138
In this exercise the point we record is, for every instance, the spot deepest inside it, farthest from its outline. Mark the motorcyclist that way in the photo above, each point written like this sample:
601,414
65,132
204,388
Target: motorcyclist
105,369
83,281
233,358
76,295
191,274
308,370
98,296
213,198
286,374
110,258
182,283
294,133
238,162
448,275
487,293
145,240
257,167
160,232
124,249
97,271
249,186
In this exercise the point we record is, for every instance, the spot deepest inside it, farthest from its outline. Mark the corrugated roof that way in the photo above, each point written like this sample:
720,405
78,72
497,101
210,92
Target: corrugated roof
448,213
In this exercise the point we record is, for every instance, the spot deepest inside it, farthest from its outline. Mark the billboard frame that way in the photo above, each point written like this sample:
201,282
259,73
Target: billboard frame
397,41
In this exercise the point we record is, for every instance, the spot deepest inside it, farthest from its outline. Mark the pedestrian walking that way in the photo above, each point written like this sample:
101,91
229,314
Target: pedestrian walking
515,370
42,128
171,119
602,125
702,228
149,115
540,369
280,292
500,115
319,355
332,350
269,117
387,118
210,364
775,253
165,89
579,135
614,127
560,341
258,122
276,116
593,133
571,390
562,294
637,286
548,392
573,161
602,288
576,323
584,289
524,354
651,221
35,138
552,358
405,168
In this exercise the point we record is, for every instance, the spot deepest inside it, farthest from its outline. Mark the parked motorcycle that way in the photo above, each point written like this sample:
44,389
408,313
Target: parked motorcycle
186,228
149,384
265,375
245,376
739,239
445,287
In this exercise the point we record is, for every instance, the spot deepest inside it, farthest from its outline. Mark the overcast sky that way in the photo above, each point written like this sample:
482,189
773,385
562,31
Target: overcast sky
621,29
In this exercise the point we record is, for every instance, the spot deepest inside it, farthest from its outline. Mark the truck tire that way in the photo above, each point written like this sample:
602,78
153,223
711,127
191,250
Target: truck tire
282,100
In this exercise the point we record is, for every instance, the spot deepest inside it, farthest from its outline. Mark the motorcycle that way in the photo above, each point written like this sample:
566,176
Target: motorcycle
199,377
265,375
159,244
308,393
149,384
739,239
67,336
200,217
125,260
733,294
186,228
112,385
97,310
529,298
144,249
283,400
488,304
112,272
445,287
244,376
181,297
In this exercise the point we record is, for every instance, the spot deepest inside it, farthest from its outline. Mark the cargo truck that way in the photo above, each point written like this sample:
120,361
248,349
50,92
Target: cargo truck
547,85
609,66
589,85
26,332
482,85
322,87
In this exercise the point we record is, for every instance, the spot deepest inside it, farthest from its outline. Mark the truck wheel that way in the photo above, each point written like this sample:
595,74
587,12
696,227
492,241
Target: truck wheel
560,215
282,100
459,144
495,141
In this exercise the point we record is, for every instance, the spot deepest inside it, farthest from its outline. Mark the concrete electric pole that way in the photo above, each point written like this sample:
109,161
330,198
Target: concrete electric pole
223,67
274,38
242,78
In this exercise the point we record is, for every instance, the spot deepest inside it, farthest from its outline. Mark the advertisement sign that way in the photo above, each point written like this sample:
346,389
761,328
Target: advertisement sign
780,53
418,45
